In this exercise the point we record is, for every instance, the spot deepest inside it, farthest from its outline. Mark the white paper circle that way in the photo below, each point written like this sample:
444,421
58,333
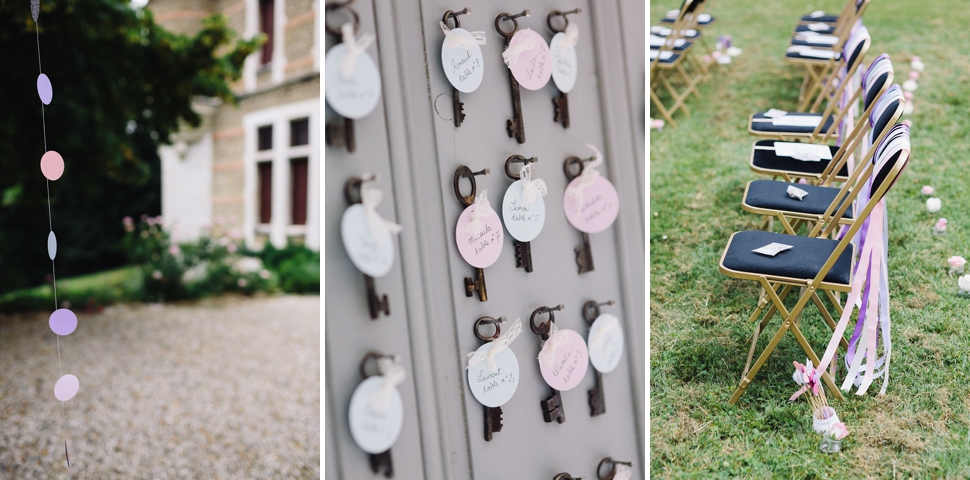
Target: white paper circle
494,388
356,96
524,222
605,355
374,431
370,256
66,388
464,68
51,246
564,64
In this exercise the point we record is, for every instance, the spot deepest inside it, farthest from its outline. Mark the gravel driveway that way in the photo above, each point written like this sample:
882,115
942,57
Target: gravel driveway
227,388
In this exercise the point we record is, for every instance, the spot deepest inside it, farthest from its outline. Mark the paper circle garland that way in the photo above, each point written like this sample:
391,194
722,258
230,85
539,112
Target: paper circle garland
63,321
44,89
52,165
51,245
66,388
373,430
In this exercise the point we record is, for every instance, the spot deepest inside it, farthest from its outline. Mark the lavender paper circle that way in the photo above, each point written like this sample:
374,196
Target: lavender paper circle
601,204
569,367
63,322
44,89
52,165
534,67
51,245
66,388
480,250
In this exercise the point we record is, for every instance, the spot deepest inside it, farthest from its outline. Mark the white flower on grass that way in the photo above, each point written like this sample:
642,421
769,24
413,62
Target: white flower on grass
957,262
910,85
933,204
964,283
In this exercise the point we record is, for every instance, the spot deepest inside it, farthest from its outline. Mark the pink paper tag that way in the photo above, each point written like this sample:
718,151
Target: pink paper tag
600,206
534,66
570,364
480,249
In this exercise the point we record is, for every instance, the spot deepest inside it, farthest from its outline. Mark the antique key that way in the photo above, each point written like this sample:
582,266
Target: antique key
611,474
597,403
561,103
566,476
584,255
493,416
552,405
341,134
459,113
515,126
376,303
477,283
523,250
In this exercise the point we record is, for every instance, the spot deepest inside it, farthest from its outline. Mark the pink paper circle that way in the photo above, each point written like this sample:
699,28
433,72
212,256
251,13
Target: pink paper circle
66,388
52,165
534,66
63,321
482,249
570,364
601,205
44,89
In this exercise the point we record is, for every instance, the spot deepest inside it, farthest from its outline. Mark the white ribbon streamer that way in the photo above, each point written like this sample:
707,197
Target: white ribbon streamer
482,209
511,54
597,337
380,228
454,40
589,175
557,338
622,472
393,374
572,36
531,188
499,344
355,47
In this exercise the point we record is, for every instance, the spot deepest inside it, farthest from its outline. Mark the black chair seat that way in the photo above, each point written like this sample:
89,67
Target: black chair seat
703,24
822,19
803,261
773,195
681,48
799,56
768,127
769,160
804,28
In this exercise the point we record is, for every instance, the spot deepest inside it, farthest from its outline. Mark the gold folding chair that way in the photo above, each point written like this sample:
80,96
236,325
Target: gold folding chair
815,262
665,63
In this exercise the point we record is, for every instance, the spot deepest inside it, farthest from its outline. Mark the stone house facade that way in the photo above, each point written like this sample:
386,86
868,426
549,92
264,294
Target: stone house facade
254,167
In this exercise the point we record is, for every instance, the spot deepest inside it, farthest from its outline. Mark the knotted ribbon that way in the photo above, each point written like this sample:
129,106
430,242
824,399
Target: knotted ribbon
531,188
481,209
511,54
586,179
622,472
557,338
499,344
572,36
392,375
355,47
380,228
454,40
597,337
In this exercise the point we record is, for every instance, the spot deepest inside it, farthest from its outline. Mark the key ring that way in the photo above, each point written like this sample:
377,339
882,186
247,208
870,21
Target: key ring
517,159
489,321
465,172
333,7
557,13
543,328
454,16
509,16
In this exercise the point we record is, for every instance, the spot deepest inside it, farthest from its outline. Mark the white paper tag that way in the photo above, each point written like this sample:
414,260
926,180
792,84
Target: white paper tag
816,14
704,18
373,430
494,388
524,222
819,39
775,113
605,343
803,151
662,31
772,249
796,193
370,256
663,55
564,63
797,121
356,96
464,68
819,27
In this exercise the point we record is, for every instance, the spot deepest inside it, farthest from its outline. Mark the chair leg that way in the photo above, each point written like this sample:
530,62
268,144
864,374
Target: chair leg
691,86
814,358
660,106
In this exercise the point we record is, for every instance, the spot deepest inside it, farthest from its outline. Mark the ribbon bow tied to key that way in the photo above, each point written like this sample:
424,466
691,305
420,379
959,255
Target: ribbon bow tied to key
622,472
586,179
355,47
557,338
392,374
511,54
597,337
572,36
380,228
499,344
531,188
481,209
468,42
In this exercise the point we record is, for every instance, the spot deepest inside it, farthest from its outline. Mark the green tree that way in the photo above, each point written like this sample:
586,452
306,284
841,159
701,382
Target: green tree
122,84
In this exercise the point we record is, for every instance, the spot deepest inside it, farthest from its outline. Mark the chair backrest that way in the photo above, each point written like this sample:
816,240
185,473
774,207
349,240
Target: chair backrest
850,15
676,32
874,81
853,52
879,73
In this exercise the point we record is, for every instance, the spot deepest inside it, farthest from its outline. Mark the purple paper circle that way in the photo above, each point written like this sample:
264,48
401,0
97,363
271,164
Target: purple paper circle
45,89
63,321
66,387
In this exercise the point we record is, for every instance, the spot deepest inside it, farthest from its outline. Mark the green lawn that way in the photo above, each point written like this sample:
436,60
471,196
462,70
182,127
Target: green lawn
85,292
699,334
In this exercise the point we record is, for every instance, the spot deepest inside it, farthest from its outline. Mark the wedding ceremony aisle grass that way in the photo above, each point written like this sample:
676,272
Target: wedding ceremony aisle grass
699,334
